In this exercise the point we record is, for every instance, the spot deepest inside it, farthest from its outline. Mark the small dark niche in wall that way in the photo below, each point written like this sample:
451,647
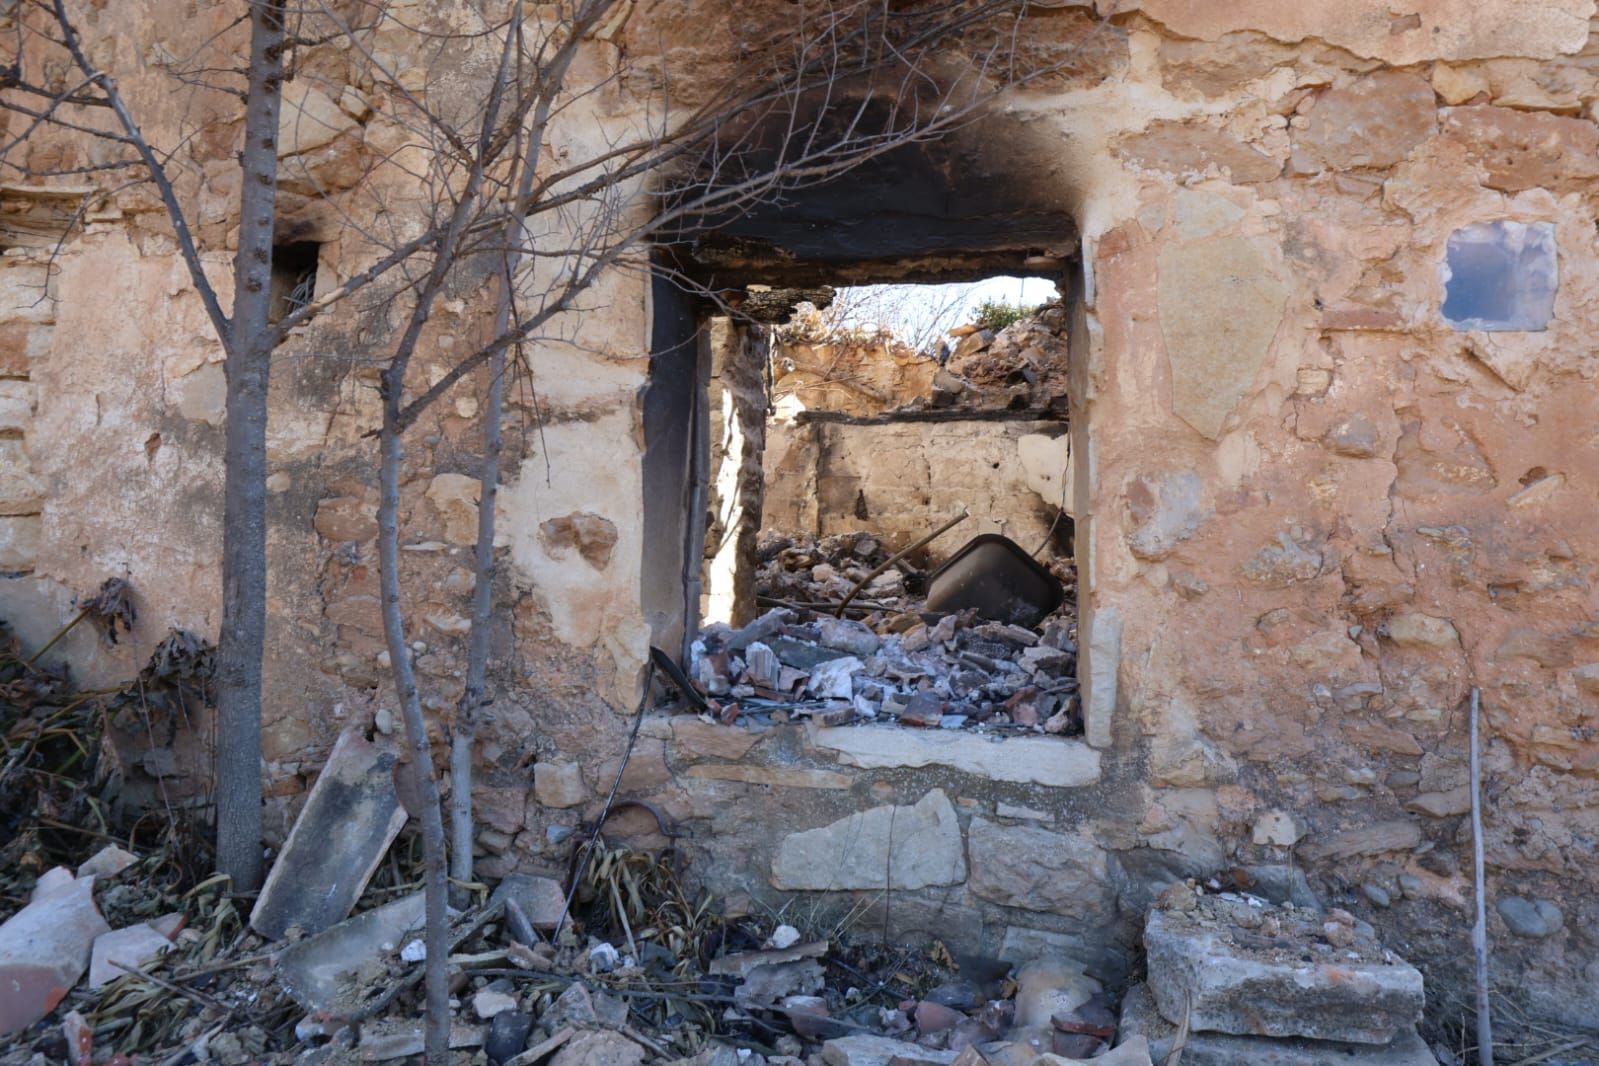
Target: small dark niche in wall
293,276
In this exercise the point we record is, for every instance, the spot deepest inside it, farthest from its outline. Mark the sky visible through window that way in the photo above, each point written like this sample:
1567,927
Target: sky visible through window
920,314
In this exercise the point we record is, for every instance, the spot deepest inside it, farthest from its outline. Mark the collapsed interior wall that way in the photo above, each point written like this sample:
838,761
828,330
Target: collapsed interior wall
869,434
1311,512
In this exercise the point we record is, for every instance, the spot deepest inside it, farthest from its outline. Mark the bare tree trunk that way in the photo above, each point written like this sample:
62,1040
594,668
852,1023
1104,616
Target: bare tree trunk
477,663
243,636
435,978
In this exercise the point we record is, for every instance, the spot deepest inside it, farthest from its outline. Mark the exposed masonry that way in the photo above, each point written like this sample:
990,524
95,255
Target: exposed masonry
1311,511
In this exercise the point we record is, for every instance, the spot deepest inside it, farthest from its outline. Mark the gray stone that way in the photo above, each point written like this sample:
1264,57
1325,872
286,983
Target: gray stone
1168,508
351,817
578,1007
1141,1019
541,899
1282,562
318,970
1032,868
1022,944
1530,918
1283,883
599,1047
1054,761
388,1039
800,655
863,1049
1220,301
1100,629
1197,969
885,847
1397,835
848,635
1455,801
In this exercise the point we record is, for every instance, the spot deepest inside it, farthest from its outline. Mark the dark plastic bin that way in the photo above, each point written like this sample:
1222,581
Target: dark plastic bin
995,575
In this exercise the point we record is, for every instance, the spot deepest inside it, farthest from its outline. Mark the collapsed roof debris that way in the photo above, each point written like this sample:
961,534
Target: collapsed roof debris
895,660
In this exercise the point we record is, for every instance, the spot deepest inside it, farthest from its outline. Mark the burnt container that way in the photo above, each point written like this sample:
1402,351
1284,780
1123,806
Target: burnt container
995,575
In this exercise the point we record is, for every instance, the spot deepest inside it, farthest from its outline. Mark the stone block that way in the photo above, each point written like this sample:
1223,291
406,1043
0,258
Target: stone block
1221,300
1139,1018
1038,870
558,784
1054,761
309,119
346,518
541,899
695,736
21,345
20,536
455,497
1198,970
1374,122
865,1049
1191,151
1520,150
16,406
20,491
25,295
781,776
885,847
1532,919
349,820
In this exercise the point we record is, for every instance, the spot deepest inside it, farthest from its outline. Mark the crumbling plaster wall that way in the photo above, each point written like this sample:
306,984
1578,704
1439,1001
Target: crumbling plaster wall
901,480
1309,514
1313,514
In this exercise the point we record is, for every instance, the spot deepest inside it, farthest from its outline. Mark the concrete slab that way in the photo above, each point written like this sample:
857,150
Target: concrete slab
351,817
322,972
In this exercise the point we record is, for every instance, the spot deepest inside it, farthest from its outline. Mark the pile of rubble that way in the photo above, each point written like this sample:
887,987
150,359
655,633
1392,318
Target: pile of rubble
893,660
621,966
1237,981
1023,365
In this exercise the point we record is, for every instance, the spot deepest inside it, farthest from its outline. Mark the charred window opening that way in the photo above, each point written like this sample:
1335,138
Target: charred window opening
837,441
293,277
799,465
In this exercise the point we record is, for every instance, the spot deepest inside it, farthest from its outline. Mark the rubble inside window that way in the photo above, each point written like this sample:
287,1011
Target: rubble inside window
817,577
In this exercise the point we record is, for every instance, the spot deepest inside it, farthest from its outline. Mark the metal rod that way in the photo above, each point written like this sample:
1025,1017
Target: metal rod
1479,931
897,556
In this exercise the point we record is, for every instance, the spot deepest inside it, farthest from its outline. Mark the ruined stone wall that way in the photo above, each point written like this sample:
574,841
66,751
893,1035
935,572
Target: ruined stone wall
902,480
1310,512
1317,513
